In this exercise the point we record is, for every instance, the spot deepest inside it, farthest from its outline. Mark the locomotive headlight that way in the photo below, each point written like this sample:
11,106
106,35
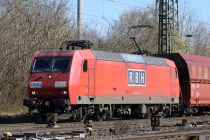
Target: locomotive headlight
64,92
33,92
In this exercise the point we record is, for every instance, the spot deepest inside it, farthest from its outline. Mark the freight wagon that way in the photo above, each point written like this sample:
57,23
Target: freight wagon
194,79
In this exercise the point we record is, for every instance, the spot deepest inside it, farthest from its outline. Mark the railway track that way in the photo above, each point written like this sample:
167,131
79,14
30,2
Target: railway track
127,129
174,136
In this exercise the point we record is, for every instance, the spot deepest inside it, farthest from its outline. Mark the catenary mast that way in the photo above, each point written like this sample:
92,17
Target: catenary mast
167,12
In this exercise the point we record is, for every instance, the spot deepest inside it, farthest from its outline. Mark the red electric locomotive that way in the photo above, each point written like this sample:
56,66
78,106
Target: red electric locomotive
103,84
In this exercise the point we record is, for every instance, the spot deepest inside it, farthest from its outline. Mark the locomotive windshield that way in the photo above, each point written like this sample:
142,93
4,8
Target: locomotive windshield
51,64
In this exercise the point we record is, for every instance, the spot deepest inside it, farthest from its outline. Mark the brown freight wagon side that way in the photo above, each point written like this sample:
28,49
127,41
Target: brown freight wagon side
194,78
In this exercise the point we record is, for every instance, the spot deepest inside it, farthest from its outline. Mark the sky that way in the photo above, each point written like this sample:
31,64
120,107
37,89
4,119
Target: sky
201,9
100,13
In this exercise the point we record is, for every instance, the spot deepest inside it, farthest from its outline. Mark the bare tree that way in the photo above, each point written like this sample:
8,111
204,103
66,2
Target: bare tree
194,33
119,33
27,26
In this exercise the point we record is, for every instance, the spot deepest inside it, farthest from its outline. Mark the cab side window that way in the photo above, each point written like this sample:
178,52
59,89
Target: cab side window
175,73
85,66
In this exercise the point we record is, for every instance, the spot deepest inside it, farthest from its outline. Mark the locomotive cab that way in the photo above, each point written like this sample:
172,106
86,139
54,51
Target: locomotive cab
43,73
49,81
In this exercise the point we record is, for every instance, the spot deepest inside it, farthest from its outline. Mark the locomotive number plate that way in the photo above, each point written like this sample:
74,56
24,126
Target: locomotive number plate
136,77
36,84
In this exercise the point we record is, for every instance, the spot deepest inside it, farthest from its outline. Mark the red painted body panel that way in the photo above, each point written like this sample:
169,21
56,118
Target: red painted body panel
112,79
78,82
53,53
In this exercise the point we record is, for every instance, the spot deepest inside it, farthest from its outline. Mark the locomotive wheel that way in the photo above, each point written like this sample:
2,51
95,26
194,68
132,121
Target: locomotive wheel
39,118
144,116
78,116
101,116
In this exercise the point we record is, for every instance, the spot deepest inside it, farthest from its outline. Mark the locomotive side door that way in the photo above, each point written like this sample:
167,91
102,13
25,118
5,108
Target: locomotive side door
91,79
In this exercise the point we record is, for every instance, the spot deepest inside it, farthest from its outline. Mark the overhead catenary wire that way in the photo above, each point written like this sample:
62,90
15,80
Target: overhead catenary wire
103,7
92,15
123,3
108,20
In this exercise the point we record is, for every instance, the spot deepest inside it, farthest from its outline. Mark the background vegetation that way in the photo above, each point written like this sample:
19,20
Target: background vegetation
30,25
